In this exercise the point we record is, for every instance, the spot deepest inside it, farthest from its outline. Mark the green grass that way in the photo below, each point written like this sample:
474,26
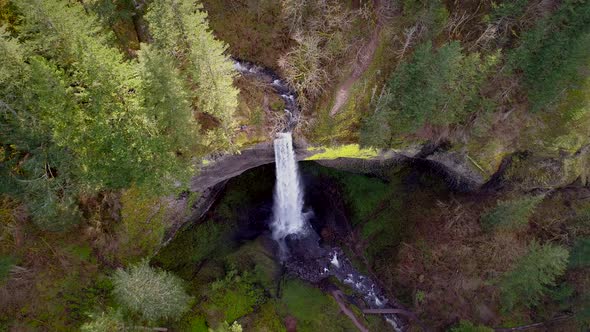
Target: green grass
342,151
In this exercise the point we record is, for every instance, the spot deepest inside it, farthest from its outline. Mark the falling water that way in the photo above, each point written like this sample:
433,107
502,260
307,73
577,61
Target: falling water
288,201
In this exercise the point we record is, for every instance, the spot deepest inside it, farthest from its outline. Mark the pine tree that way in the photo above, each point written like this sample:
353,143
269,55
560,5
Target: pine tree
76,116
180,28
528,281
510,214
31,99
415,96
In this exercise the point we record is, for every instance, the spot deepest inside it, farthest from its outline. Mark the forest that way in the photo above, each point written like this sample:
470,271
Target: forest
295,165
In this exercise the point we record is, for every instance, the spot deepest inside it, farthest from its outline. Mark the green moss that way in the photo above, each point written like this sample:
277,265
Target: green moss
193,245
232,297
267,319
342,151
486,154
258,262
198,324
314,310
142,226
363,194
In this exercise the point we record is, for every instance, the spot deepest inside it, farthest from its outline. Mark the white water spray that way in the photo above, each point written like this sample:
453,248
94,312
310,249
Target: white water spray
288,200
335,261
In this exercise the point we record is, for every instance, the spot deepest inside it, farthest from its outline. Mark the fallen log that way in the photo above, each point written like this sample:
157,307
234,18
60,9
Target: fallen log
390,311
338,297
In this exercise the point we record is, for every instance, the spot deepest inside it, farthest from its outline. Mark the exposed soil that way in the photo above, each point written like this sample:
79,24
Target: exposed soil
360,65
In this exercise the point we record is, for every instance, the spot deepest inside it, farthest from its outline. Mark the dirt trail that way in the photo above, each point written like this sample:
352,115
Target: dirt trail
362,62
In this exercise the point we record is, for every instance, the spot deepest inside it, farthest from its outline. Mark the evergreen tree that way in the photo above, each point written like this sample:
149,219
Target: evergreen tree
528,281
180,28
436,86
510,214
77,117
551,54
34,168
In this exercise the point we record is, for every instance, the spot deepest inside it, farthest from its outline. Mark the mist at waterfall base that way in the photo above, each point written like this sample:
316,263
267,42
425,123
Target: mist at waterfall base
299,246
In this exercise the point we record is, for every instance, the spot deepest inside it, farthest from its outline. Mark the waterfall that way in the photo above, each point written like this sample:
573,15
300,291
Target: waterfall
288,197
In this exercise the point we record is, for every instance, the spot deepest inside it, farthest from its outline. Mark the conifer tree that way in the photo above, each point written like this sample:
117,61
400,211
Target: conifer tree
180,28
532,274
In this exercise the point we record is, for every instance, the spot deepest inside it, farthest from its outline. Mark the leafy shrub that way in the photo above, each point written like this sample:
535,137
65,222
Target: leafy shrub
152,293
235,295
467,326
511,214
580,256
529,280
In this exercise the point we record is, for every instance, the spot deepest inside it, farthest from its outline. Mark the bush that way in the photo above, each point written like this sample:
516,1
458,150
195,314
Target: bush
511,214
152,293
234,296
532,275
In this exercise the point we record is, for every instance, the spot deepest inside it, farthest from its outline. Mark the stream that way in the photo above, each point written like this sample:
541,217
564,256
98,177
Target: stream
299,246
